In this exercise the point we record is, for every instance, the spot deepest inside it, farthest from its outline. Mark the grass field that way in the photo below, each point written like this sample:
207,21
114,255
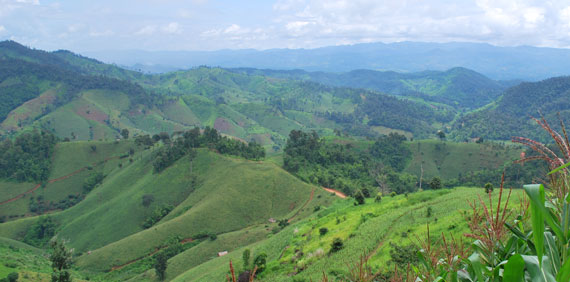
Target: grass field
299,252
72,163
449,159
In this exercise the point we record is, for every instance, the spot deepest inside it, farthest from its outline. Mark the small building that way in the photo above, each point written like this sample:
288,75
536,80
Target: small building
221,254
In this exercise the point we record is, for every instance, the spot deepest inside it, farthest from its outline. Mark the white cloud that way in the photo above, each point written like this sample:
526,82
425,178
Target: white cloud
101,33
33,2
172,28
2,29
147,30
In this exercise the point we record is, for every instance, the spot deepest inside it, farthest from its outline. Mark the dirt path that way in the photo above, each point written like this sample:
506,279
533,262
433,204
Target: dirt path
302,207
57,179
184,241
336,192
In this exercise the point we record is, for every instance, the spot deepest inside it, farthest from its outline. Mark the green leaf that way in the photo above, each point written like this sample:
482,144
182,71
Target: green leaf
559,168
551,250
564,273
537,274
476,266
514,269
536,194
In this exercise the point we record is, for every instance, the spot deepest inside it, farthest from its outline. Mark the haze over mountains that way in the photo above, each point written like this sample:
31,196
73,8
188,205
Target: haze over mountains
500,63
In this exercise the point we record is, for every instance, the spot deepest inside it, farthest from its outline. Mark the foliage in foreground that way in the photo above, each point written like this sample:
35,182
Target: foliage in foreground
511,251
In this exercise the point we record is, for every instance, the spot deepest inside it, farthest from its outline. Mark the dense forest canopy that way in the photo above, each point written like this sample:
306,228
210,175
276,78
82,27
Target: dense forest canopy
27,157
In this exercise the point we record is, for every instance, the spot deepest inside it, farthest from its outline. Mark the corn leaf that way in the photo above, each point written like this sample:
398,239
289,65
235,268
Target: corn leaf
536,194
514,269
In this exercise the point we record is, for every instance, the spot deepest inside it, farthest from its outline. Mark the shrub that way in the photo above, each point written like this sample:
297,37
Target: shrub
323,231
488,188
147,199
13,277
336,245
359,197
260,261
378,198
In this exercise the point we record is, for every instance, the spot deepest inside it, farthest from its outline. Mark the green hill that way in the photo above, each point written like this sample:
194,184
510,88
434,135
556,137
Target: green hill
83,99
458,87
300,252
107,226
509,115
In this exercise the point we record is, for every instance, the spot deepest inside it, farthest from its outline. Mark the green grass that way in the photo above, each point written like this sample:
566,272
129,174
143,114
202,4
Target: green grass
69,157
10,189
363,229
218,204
449,159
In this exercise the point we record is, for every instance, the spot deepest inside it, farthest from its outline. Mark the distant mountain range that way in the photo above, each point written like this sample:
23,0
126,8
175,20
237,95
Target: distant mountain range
500,63
82,98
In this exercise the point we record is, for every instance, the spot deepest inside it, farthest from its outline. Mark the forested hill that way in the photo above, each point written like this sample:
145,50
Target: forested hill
80,98
458,87
65,60
509,116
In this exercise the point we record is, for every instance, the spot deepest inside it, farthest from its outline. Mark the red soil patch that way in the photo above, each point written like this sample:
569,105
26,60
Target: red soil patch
336,192
92,114
36,107
223,125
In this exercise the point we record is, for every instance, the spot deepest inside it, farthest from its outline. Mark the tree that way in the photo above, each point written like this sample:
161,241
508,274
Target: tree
488,188
245,256
441,134
359,197
60,262
125,133
435,183
13,277
323,231
160,264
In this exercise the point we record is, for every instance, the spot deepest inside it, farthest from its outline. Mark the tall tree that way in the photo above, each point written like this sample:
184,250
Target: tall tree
60,262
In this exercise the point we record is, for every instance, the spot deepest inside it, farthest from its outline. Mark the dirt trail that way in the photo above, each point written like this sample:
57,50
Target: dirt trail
117,267
57,179
338,193
302,207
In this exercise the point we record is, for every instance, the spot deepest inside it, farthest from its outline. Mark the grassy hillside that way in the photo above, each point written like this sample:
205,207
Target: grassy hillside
72,163
106,228
300,252
450,160
216,205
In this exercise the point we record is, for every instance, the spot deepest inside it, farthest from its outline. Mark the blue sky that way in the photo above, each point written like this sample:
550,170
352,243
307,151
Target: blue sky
210,25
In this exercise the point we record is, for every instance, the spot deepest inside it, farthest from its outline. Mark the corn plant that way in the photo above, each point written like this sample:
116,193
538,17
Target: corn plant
510,251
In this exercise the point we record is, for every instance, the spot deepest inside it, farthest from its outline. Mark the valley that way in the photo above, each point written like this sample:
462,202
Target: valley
171,176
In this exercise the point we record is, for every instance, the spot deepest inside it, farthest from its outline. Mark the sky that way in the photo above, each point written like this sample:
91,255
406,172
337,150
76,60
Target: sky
153,25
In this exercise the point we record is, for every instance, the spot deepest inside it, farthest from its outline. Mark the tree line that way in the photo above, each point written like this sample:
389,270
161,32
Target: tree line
341,167
181,144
